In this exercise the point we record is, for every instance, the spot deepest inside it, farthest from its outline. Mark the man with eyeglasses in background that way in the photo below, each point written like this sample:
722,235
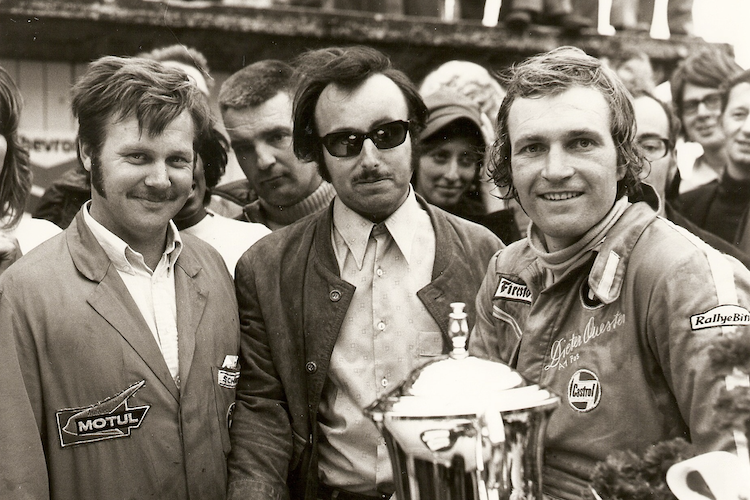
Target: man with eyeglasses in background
719,206
338,309
697,101
657,130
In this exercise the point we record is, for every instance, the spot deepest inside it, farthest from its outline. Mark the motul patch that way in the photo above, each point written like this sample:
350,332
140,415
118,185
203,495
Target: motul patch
108,419
513,290
584,391
726,315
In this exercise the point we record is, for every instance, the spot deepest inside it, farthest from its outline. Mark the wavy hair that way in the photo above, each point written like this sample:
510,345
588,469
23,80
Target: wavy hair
115,88
708,67
550,74
347,67
15,175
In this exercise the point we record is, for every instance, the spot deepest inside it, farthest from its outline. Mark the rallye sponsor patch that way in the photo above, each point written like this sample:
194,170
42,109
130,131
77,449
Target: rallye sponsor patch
516,291
108,419
584,391
726,315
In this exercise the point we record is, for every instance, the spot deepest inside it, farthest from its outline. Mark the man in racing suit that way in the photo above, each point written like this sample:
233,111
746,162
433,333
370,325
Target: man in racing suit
604,303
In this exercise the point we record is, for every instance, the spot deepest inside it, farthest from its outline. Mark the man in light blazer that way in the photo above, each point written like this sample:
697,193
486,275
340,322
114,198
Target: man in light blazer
119,337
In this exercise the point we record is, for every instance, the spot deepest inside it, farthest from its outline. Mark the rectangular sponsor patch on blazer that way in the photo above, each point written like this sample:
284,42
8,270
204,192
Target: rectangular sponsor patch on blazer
516,291
109,419
725,315
229,373
229,378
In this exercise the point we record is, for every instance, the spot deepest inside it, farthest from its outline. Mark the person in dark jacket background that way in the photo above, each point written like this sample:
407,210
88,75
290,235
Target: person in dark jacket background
718,206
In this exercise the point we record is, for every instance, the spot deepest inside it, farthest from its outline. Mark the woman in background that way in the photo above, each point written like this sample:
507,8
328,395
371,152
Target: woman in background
451,154
451,150
19,233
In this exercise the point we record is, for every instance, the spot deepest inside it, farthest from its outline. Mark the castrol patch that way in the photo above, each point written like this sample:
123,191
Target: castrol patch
726,315
584,391
513,290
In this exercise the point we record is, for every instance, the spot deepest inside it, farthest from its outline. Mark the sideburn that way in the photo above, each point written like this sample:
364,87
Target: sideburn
97,176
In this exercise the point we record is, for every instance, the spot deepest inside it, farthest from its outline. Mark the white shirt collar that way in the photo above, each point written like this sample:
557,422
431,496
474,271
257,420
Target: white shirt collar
123,257
355,229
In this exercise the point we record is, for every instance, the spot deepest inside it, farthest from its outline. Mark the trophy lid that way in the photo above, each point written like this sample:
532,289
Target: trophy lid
459,384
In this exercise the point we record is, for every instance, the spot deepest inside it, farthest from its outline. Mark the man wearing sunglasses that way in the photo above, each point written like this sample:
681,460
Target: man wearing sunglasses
338,309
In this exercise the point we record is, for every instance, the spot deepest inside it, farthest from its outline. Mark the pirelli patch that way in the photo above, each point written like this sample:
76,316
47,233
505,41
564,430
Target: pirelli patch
109,419
726,315
516,291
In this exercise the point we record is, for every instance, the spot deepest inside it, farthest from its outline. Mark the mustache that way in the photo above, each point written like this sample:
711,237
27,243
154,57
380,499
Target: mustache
371,176
154,195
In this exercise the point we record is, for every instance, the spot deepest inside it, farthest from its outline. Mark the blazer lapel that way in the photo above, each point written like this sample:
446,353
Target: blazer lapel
191,302
326,301
113,302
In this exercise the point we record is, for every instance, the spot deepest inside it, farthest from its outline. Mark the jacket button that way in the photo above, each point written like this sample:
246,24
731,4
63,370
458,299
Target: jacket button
335,295
311,367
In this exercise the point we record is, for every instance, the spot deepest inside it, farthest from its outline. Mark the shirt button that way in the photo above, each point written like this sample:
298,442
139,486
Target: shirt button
384,382
381,326
311,367
379,272
335,295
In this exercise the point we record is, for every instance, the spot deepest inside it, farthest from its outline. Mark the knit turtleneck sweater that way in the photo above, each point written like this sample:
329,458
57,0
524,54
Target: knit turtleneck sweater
276,217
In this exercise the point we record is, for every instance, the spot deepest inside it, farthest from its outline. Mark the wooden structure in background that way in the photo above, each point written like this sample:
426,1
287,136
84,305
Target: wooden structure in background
232,35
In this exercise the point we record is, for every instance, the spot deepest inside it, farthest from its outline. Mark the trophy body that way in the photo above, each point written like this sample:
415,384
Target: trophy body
463,428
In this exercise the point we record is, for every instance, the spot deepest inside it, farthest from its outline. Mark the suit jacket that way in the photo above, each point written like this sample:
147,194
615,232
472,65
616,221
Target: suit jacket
718,206
91,389
292,303
672,213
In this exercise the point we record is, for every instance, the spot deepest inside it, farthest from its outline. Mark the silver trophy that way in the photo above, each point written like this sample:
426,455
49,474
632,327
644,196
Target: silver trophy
461,427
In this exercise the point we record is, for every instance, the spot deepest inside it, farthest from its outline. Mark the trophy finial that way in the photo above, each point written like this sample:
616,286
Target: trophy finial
458,329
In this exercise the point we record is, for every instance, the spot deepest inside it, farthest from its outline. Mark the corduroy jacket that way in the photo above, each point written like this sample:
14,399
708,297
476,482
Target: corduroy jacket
292,303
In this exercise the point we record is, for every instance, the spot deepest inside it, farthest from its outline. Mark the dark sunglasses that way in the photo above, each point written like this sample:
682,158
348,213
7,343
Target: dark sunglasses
349,143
